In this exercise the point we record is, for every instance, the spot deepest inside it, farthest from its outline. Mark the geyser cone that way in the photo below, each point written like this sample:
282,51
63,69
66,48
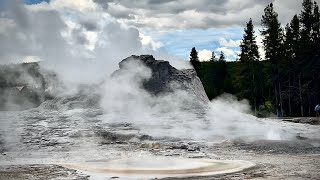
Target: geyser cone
160,167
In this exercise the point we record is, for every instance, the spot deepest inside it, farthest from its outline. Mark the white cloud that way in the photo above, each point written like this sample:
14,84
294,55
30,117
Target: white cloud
79,5
287,9
57,36
204,55
92,39
193,14
227,52
147,41
229,43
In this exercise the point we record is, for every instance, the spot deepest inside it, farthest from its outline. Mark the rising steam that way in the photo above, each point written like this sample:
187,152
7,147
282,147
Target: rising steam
172,114
62,47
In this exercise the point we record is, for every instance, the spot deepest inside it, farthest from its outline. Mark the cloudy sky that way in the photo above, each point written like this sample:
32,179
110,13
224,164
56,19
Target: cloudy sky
87,30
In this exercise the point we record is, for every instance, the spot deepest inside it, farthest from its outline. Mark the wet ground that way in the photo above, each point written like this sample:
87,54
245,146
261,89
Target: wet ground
37,144
269,165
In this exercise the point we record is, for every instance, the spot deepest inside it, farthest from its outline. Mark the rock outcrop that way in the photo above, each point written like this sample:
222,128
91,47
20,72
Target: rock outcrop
22,86
166,78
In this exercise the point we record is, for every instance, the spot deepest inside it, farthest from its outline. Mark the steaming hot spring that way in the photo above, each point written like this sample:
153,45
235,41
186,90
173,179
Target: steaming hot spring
159,167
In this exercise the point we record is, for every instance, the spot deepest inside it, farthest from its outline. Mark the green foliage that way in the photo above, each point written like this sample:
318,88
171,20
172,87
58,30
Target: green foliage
273,45
213,57
222,57
250,71
273,34
216,77
194,55
248,46
316,23
307,21
289,75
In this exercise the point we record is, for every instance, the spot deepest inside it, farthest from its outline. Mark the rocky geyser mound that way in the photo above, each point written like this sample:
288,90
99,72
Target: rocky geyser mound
165,78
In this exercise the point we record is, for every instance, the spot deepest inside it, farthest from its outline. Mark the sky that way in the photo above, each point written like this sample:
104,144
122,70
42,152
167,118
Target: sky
86,30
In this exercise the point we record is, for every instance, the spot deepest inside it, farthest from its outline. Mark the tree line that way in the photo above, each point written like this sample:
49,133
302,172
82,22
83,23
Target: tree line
286,81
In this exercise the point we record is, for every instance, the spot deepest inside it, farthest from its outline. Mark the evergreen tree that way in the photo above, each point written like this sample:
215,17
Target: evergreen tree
316,23
249,48
272,33
221,73
194,55
289,67
222,57
288,42
307,22
295,28
307,58
194,59
290,75
213,57
250,71
272,41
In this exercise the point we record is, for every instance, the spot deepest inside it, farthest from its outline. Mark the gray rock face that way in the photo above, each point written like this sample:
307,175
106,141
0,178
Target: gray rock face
22,86
166,78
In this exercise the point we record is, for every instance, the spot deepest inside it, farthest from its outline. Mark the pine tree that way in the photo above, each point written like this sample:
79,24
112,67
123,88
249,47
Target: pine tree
250,71
306,56
289,67
221,73
194,55
272,33
288,42
292,43
295,27
272,41
290,75
195,61
307,19
316,23
213,57
249,48
222,57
